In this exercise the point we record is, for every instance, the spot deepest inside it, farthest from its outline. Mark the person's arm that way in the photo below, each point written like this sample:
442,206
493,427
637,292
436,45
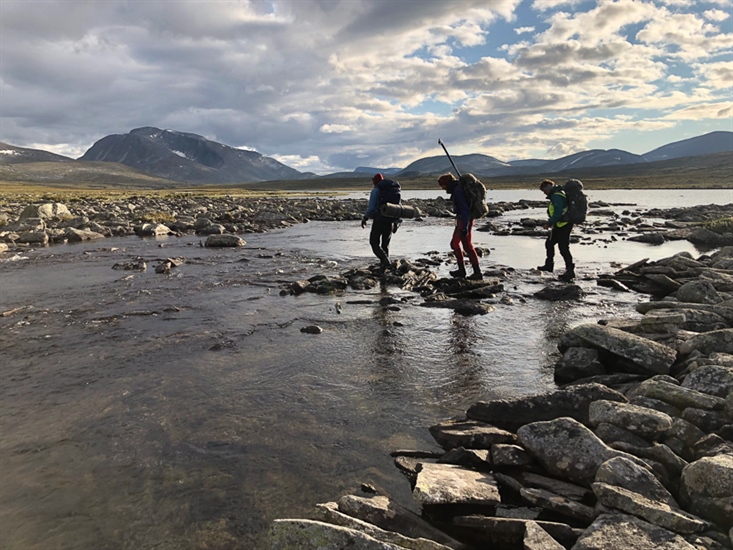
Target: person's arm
559,204
373,203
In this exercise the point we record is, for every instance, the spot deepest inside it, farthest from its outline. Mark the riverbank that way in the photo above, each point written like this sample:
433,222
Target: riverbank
635,450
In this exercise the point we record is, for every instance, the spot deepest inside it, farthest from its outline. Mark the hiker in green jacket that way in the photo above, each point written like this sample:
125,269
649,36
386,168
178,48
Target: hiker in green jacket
559,230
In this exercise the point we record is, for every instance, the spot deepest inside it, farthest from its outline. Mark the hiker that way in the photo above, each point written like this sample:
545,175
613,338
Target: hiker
462,234
560,230
385,190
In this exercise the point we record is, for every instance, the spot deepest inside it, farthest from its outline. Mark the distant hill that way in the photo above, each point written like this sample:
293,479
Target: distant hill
187,158
486,166
474,163
714,142
10,154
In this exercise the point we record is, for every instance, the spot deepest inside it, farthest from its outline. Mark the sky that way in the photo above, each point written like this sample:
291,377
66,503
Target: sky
330,85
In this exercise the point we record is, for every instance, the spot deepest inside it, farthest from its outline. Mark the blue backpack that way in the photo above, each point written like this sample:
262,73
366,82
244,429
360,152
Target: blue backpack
390,192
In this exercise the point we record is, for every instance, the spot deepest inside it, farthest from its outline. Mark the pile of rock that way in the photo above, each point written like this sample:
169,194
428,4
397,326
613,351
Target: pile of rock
465,297
634,451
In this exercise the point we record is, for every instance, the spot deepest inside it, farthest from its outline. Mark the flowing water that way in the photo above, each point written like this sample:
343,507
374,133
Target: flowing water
140,410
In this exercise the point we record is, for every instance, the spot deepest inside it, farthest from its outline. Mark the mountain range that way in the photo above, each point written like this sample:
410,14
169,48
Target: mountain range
180,157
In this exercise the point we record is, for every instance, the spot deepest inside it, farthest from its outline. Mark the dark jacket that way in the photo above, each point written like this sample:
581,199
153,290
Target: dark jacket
460,204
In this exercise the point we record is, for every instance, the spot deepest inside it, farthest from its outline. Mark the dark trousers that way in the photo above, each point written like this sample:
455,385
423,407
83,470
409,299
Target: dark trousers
379,238
560,236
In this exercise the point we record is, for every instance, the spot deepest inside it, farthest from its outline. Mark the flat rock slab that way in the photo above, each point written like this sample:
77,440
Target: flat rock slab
469,434
647,354
619,531
573,402
330,514
297,534
558,504
657,513
510,532
641,421
450,484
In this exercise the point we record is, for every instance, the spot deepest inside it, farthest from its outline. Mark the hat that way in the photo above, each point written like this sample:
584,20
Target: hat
377,178
445,180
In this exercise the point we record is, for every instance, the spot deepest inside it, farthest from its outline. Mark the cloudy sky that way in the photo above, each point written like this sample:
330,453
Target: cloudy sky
329,85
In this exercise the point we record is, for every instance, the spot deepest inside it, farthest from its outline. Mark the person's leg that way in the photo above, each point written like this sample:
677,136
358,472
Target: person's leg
386,238
467,242
455,245
374,237
549,252
563,245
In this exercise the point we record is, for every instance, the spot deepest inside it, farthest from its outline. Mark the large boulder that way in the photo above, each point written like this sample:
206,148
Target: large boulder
698,292
567,449
45,211
720,341
677,396
706,489
572,402
713,379
224,240
646,423
650,356
622,472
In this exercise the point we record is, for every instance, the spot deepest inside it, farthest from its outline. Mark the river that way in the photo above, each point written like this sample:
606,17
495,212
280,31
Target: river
187,411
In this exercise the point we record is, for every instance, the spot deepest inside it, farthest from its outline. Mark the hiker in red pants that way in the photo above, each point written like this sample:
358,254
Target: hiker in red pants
462,234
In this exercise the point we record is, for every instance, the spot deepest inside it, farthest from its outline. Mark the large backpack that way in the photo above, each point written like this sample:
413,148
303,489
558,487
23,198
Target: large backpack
577,201
390,192
476,195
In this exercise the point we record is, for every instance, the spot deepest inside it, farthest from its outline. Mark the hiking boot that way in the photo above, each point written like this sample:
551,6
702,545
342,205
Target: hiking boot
569,274
476,275
460,272
547,267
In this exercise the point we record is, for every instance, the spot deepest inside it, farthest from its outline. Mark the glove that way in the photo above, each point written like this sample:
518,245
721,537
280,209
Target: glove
464,231
363,223
395,227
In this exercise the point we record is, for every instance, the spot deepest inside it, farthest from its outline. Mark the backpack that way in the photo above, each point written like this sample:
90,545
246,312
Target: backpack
476,195
577,201
390,192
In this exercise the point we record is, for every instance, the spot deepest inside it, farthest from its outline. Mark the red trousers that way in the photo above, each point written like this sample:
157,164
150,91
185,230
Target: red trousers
461,238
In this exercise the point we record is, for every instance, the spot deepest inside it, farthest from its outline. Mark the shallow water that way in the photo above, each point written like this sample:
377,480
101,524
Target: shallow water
140,410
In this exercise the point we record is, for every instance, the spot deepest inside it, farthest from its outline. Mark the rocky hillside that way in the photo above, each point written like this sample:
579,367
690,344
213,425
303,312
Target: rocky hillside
187,157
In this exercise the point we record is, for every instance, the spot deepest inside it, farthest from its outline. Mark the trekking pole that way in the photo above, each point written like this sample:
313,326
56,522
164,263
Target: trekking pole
440,141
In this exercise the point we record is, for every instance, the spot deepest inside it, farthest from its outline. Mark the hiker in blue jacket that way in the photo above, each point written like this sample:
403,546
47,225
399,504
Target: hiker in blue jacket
560,230
462,234
382,227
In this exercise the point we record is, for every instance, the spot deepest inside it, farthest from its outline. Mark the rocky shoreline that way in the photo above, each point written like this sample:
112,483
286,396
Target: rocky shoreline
42,223
634,448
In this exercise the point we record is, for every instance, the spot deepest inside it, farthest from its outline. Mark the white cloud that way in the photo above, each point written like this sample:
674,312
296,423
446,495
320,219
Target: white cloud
716,15
335,128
